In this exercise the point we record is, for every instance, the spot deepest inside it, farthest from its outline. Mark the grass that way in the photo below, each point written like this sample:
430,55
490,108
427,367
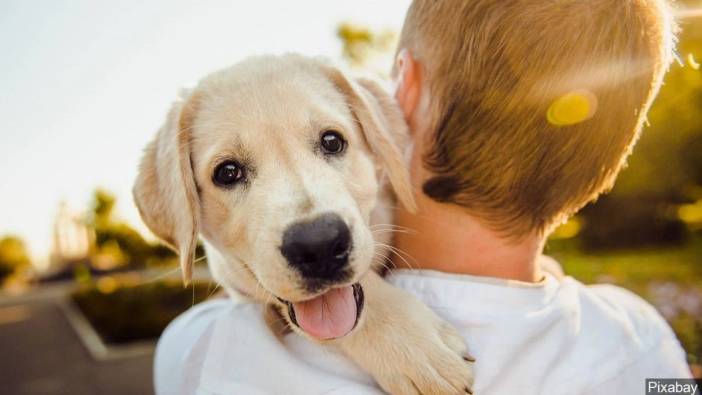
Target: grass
669,278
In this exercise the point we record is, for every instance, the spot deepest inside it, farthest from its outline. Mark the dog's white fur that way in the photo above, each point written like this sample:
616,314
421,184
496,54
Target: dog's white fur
268,113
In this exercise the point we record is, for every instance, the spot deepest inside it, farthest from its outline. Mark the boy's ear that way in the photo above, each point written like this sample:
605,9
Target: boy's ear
165,191
383,127
408,83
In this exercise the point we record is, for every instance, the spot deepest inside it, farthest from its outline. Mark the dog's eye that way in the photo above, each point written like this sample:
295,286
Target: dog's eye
332,142
228,173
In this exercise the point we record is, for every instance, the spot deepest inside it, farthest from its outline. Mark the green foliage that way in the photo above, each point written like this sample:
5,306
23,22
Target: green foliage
662,163
13,256
119,239
103,207
665,169
361,45
136,312
616,222
355,40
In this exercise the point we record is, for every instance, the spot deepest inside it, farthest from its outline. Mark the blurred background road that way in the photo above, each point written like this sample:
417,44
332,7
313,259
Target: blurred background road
42,354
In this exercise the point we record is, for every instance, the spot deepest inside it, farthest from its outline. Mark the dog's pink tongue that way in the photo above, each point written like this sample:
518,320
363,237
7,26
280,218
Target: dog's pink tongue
328,316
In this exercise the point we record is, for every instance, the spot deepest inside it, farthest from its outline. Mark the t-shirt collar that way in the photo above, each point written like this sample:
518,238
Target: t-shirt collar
463,292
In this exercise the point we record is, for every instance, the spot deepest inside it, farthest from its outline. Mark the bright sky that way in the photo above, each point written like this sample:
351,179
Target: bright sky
85,84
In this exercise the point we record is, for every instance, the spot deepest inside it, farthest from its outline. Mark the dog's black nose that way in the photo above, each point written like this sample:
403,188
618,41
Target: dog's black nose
318,248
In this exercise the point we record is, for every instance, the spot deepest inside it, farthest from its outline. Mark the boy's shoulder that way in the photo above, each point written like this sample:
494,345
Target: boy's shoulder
184,342
607,304
630,339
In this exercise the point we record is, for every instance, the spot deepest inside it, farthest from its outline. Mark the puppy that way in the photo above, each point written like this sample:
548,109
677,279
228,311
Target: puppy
284,166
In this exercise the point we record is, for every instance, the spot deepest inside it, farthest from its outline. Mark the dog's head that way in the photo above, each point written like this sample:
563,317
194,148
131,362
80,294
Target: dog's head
276,162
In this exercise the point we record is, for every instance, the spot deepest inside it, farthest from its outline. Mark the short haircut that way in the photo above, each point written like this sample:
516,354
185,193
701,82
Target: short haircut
494,70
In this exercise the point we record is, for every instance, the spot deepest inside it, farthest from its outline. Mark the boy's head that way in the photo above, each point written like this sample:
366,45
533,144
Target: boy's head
531,106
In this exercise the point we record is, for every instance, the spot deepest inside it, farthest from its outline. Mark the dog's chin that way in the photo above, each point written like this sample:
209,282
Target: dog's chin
330,315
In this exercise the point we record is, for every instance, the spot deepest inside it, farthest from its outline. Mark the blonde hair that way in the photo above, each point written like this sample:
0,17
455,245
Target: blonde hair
496,68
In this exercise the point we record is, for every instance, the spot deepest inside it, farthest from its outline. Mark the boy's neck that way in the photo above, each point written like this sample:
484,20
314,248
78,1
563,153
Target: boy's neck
443,237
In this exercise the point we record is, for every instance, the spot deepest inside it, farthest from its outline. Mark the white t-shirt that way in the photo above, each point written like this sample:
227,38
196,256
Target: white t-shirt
555,337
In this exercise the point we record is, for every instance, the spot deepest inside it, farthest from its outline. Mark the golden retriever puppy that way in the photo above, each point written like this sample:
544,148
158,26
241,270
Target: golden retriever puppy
283,166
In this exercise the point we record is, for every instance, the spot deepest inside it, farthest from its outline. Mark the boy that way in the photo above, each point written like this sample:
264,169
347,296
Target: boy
521,112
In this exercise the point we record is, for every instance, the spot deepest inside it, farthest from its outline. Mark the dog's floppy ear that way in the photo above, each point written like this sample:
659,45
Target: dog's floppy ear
383,127
165,190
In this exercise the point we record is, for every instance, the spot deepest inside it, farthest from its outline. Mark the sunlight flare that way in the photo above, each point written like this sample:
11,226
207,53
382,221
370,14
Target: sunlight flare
685,13
572,108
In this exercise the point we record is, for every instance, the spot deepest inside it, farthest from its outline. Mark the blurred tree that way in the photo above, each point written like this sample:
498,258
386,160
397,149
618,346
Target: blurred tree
355,41
103,205
13,256
665,169
367,49
117,243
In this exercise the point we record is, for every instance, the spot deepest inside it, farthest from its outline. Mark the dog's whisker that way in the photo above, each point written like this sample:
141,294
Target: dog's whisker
384,262
192,286
428,218
384,227
160,276
269,297
209,295
399,253
403,260
236,270
200,259
284,320
382,257
259,292
384,230
390,226
381,231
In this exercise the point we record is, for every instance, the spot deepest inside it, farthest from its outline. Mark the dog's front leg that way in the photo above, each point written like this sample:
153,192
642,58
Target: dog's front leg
405,346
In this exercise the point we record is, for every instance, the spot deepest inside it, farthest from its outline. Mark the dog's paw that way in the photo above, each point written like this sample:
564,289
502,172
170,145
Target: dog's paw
435,363
407,348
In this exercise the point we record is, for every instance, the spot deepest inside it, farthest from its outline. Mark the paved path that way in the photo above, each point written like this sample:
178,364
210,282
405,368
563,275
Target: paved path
41,354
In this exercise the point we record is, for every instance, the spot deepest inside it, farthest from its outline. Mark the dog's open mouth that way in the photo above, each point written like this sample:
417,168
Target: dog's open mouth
330,315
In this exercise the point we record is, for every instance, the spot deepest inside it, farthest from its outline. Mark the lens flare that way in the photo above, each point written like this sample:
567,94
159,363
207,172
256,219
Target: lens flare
572,108
685,13
692,62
